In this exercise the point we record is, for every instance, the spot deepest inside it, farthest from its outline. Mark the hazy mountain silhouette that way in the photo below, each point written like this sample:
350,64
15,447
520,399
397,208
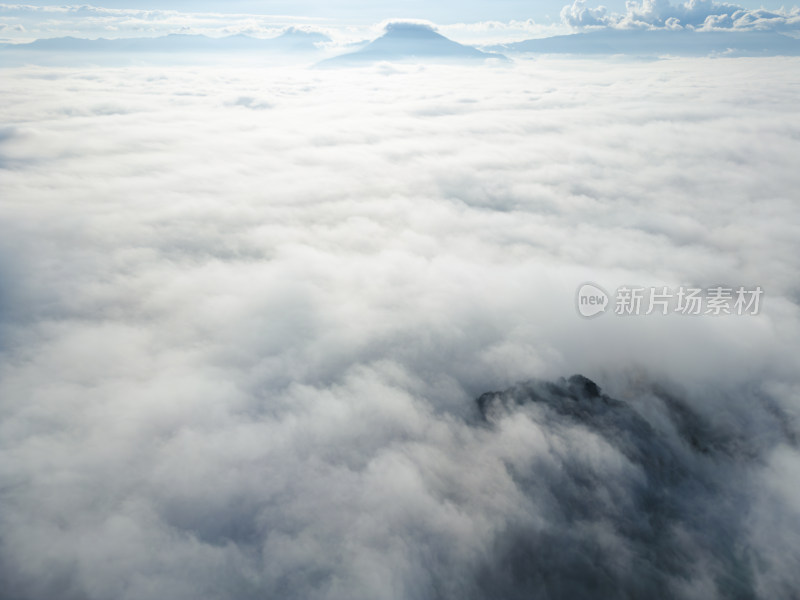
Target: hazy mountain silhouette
682,42
411,41
294,40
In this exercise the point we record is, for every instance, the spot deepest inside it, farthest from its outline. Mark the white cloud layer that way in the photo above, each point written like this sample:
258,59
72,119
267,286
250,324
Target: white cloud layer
245,314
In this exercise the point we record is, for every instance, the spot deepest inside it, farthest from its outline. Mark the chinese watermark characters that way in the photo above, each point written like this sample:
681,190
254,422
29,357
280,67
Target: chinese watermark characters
592,301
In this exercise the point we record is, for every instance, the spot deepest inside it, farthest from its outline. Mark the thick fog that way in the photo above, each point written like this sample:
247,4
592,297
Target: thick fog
246,317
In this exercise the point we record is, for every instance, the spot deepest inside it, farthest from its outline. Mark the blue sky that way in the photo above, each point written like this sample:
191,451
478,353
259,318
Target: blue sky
359,10
445,11
353,20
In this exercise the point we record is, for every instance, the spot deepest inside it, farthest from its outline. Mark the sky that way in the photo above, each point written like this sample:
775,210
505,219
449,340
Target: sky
446,11
476,22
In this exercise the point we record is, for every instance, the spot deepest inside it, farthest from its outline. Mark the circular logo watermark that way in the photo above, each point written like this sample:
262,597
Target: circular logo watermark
591,300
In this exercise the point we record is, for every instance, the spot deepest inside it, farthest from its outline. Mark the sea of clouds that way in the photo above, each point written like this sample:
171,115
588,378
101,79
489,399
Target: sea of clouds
245,316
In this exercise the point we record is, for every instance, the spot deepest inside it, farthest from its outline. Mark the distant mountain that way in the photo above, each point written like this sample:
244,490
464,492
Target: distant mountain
405,41
681,42
291,40
298,39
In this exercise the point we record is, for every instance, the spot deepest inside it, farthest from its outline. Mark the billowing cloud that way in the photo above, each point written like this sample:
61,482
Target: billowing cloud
579,15
245,315
694,14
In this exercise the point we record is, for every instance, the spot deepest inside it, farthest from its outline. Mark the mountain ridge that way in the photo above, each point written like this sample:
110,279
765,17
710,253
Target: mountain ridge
682,42
408,40
290,39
